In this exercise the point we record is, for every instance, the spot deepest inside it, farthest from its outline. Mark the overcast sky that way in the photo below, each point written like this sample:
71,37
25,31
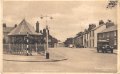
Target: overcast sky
69,17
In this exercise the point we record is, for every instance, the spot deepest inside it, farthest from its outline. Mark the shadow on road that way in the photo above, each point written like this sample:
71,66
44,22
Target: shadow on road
103,53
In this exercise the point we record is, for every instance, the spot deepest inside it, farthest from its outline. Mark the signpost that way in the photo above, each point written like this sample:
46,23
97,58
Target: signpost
29,52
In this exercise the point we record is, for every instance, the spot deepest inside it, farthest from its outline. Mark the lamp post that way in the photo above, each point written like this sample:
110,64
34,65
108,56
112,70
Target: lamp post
46,17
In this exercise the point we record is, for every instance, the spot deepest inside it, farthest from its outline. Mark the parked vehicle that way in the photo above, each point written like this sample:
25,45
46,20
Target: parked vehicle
71,45
104,47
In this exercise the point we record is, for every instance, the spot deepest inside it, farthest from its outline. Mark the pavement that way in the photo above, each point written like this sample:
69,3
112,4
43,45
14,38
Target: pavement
79,60
34,58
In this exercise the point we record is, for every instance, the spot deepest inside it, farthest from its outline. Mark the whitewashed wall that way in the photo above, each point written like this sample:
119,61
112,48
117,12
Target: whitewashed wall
101,28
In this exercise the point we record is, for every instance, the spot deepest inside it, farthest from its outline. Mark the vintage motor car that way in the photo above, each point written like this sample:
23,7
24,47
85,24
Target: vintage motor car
104,47
71,45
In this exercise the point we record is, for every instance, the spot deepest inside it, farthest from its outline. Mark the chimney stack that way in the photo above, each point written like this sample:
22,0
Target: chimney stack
41,31
4,25
15,25
37,27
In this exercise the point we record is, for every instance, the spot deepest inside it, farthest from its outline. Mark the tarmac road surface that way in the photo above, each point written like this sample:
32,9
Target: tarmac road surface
76,60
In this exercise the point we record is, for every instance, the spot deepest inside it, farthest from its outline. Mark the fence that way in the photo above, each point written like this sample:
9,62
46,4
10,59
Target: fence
21,49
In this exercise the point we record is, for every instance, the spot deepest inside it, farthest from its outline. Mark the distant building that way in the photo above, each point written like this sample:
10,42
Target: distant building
78,40
60,44
88,34
89,37
85,38
69,41
110,35
6,30
52,41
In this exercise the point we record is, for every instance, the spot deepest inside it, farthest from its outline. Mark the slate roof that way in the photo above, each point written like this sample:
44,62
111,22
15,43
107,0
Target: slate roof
112,28
23,28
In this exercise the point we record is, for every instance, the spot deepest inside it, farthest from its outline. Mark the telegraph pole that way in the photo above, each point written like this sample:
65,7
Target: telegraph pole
46,50
46,38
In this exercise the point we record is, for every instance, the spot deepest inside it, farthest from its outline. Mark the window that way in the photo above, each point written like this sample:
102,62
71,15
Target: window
91,33
100,36
115,42
115,33
103,35
107,34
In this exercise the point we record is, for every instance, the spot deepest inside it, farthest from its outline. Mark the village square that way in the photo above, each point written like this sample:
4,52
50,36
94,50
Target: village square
46,44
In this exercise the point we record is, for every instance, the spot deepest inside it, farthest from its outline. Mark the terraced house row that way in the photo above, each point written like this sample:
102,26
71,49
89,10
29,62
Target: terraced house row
103,32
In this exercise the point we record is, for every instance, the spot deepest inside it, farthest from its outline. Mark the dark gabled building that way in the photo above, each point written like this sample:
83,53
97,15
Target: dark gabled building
109,35
6,30
52,41
18,34
78,40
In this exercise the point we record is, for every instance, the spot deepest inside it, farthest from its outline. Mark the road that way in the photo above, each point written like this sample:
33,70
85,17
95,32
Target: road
78,60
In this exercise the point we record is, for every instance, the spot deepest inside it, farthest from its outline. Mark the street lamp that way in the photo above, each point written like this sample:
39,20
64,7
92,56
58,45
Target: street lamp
46,17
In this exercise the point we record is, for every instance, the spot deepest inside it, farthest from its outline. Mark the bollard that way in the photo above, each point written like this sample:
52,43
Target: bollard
47,55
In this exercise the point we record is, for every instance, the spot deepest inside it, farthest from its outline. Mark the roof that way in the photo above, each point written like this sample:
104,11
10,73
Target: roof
98,27
23,28
112,28
7,29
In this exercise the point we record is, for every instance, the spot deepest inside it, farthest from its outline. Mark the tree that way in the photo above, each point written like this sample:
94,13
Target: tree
109,23
41,31
80,34
15,25
85,31
101,22
68,41
4,24
112,3
91,26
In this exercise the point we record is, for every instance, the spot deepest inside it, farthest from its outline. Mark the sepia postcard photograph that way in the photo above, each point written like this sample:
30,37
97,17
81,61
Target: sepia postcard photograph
60,36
